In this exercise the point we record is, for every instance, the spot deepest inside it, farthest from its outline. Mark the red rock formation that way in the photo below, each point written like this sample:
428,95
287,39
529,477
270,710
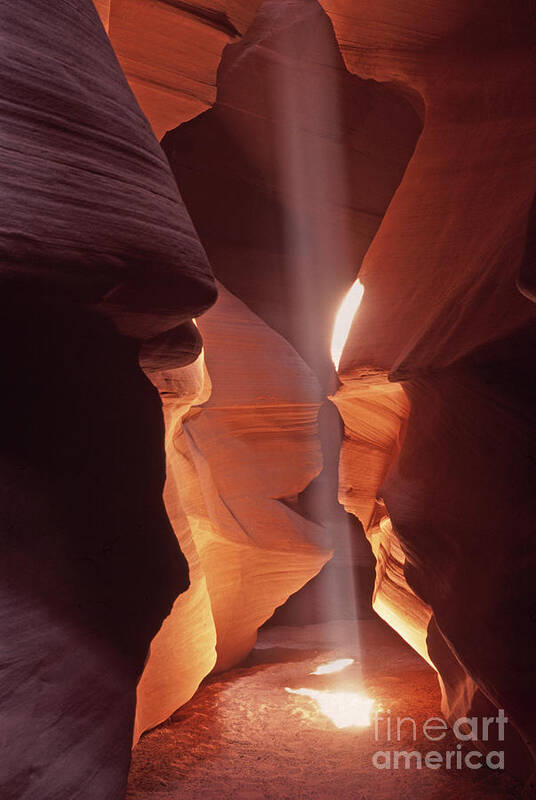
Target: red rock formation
375,416
103,7
255,447
461,487
184,649
469,183
441,281
170,51
240,445
279,176
289,175
94,242
443,313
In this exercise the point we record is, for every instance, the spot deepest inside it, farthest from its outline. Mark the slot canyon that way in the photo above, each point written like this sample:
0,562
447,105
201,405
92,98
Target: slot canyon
269,393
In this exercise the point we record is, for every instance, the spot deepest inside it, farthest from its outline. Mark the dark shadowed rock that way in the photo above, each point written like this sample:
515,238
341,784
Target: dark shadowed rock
461,500
89,563
97,255
92,211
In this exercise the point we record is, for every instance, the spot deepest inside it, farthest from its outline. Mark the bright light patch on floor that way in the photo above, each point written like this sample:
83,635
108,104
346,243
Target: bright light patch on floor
344,319
333,666
343,709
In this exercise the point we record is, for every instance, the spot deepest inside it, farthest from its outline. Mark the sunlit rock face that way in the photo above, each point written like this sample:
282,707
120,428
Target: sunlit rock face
103,7
184,650
375,415
255,447
251,448
442,312
241,442
97,256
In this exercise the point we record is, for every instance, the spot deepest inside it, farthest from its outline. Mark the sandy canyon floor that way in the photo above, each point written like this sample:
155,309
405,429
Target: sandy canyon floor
243,736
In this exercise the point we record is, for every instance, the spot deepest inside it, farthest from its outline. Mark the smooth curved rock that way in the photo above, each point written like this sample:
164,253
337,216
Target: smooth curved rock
94,226
443,313
94,244
184,650
472,571
453,236
92,212
89,562
170,51
253,447
241,445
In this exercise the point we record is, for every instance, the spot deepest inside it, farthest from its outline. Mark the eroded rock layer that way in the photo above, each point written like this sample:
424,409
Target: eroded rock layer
184,650
258,435
443,313
170,51
97,255
253,447
241,442
287,179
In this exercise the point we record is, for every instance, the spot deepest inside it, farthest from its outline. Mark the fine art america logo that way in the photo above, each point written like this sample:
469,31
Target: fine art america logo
434,730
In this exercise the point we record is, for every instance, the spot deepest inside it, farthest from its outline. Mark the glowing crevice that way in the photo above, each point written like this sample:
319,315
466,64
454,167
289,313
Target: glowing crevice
343,321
